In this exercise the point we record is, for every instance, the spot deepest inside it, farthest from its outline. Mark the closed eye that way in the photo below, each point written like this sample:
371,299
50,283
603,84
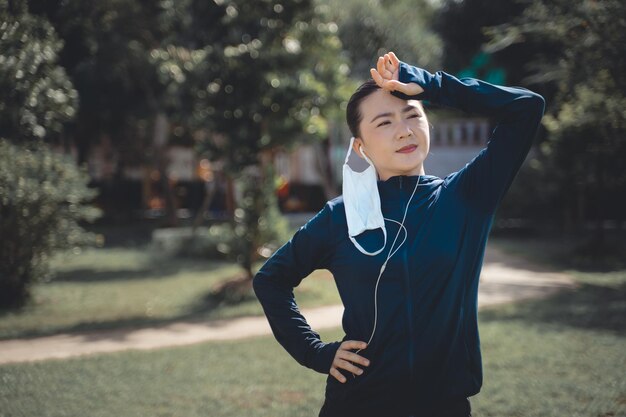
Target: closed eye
410,117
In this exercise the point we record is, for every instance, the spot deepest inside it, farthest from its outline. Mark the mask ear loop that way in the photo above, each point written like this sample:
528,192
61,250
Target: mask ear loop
358,246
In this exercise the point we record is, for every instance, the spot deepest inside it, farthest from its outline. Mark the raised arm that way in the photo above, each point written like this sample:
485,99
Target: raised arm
273,284
517,111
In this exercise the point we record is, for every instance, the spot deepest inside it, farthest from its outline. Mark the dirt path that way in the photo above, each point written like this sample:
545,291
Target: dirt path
503,279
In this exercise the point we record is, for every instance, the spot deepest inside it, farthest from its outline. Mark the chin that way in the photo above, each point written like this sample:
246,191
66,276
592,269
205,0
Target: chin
411,162
407,169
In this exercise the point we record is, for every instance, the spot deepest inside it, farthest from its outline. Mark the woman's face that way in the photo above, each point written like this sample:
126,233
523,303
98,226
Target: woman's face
390,123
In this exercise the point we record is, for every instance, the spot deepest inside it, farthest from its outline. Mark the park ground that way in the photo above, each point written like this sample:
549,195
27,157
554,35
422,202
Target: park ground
549,353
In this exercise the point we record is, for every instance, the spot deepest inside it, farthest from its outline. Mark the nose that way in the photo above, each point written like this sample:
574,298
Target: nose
404,130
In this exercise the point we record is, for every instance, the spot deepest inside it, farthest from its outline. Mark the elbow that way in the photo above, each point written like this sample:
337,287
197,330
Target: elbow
257,283
262,284
538,102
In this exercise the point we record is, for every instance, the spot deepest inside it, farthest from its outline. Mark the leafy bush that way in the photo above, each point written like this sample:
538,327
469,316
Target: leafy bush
257,229
42,198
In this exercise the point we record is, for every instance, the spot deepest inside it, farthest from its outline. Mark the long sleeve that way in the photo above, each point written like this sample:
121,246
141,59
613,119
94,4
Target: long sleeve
517,112
306,251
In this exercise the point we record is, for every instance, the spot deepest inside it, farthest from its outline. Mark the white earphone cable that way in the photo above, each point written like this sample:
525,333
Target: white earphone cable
389,256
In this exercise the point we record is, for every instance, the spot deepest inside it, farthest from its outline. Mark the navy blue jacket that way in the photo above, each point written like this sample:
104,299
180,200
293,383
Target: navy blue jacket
426,347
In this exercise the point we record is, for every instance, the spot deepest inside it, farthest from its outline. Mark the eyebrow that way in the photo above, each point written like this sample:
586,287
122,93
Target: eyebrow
406,109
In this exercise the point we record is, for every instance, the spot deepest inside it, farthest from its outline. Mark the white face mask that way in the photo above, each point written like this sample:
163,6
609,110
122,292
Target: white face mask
362,203
361,198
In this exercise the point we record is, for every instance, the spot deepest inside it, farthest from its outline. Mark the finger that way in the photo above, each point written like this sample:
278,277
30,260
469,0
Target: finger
338,375
353,357
394,59
387,72
343,364
388,63
396,85
410,89
353,344
389,85
391,69
377,77
380,66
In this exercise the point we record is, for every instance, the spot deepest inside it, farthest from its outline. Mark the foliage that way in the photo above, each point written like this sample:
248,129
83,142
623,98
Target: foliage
462,28
42,193
273,78
258,223
36,95
233,77
587,120
369,28
42,201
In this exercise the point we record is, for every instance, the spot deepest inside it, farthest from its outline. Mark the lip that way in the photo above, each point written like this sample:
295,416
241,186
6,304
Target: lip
407,149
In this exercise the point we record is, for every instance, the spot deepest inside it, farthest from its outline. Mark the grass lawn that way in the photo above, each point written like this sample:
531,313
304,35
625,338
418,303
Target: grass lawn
130,286
561,356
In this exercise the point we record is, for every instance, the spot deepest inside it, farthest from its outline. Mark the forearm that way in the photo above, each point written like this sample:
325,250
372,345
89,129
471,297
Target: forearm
506,104
309,249
290,328
517,111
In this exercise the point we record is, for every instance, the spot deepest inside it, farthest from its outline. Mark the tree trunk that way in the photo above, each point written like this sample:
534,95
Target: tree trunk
161,134
230,196
209,192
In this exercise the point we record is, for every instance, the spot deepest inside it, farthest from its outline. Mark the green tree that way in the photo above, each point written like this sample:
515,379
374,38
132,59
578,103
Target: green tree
43,199
462,27
280,79
239,79
37,96
586,146
369,28
43,194
105,52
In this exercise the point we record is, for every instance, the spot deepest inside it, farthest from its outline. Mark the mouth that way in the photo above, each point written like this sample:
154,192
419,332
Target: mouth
407,149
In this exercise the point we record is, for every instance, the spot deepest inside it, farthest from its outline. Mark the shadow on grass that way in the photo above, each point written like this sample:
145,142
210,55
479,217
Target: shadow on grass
202,312
559,252
599,302
155,270
589,306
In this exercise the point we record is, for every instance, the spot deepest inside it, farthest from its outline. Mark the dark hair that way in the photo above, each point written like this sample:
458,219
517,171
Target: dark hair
353,111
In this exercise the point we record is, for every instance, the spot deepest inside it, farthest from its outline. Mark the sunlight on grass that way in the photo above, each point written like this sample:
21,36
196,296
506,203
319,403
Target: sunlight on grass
531,368
121,287
559,356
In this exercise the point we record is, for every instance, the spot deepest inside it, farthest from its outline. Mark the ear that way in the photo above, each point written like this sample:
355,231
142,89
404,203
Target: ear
356,144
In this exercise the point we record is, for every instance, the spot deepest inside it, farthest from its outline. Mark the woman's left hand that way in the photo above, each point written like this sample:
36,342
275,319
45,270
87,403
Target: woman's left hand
386,76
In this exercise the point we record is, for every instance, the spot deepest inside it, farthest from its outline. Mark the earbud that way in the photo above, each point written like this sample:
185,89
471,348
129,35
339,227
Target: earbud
362,151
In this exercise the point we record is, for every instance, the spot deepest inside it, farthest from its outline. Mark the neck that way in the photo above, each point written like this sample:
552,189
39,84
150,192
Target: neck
384,176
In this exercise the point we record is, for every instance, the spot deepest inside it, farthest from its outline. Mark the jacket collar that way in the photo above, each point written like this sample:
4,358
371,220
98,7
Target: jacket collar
401,185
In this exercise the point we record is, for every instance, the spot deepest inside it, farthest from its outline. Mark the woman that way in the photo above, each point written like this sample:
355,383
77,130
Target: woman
412,346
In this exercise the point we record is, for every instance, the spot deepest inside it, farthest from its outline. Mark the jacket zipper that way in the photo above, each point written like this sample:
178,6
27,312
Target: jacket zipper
410,318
